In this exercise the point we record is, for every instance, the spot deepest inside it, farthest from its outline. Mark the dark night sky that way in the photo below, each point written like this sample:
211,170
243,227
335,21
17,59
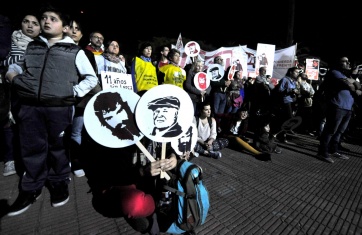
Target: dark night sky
327,29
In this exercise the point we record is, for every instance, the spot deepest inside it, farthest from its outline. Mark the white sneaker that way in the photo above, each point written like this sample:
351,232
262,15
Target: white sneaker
79,173
340,156
9,168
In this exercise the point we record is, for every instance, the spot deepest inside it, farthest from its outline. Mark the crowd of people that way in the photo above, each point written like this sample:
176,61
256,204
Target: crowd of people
48,80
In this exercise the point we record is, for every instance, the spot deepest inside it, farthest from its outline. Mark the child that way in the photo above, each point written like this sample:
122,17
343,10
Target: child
47,86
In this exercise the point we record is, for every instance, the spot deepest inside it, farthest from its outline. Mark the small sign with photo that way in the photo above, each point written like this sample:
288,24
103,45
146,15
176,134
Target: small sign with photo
215,72
192,49
201,81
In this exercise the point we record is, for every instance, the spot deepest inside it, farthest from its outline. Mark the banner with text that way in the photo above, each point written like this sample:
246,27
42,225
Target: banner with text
116,80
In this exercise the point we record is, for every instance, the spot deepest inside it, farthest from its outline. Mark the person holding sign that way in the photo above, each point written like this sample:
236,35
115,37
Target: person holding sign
122,186
121,180
197,91
144,75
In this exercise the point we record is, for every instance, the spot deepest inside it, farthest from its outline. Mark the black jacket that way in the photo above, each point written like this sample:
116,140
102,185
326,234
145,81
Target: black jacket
49,76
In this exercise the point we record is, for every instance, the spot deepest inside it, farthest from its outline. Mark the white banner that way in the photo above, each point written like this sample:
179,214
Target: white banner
283,59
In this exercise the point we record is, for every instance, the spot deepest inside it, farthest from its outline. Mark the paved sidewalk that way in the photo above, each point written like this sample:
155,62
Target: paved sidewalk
295,193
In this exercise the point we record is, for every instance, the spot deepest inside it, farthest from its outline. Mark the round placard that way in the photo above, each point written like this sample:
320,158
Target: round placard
109,118
201,81
215,72
164,112
192,48
231,73
186,142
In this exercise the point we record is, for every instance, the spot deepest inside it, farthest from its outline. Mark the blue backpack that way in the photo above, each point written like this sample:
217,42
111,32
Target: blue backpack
190,197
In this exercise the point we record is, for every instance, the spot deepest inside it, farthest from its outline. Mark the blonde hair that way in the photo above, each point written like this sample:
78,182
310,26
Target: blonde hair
196,62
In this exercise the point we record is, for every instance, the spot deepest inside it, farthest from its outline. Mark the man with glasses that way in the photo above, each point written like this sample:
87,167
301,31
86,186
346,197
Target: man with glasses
96,43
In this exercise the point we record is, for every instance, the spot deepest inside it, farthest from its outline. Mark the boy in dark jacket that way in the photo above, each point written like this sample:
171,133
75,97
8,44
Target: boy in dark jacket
47,86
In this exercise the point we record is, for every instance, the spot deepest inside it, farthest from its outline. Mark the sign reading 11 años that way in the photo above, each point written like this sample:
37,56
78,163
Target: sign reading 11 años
116,80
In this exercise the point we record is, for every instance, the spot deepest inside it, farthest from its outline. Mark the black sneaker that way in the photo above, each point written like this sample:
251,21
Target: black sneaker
263,157
23,202
138,224
59,194
277,150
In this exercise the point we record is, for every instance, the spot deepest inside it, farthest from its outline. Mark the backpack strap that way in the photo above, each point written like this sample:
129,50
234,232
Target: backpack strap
175,191
208,119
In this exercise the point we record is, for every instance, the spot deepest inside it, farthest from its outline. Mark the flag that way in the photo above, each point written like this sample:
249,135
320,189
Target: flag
179,43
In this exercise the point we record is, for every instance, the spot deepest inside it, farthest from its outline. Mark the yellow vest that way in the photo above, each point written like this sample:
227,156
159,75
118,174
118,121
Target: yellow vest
145,74
173,75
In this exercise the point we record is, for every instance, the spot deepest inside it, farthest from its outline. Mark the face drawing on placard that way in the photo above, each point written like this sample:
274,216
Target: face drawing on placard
215,73
202,81
116,115
165,114
185,141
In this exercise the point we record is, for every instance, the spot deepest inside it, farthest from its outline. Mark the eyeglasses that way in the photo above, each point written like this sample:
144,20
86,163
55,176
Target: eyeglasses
98,38
219,59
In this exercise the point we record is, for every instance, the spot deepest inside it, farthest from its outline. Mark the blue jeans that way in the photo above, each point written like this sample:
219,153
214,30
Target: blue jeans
77,127
336,123
232,109
219,102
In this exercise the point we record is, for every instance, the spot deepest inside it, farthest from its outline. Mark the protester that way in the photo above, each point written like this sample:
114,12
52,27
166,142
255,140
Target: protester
197,96
286,96
125,186
340,99
30,28
76,33
162,57
110,60
218,90
305,103
6,122
95,43
207,143
172,73
234,127
144,75
235,93
45,117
